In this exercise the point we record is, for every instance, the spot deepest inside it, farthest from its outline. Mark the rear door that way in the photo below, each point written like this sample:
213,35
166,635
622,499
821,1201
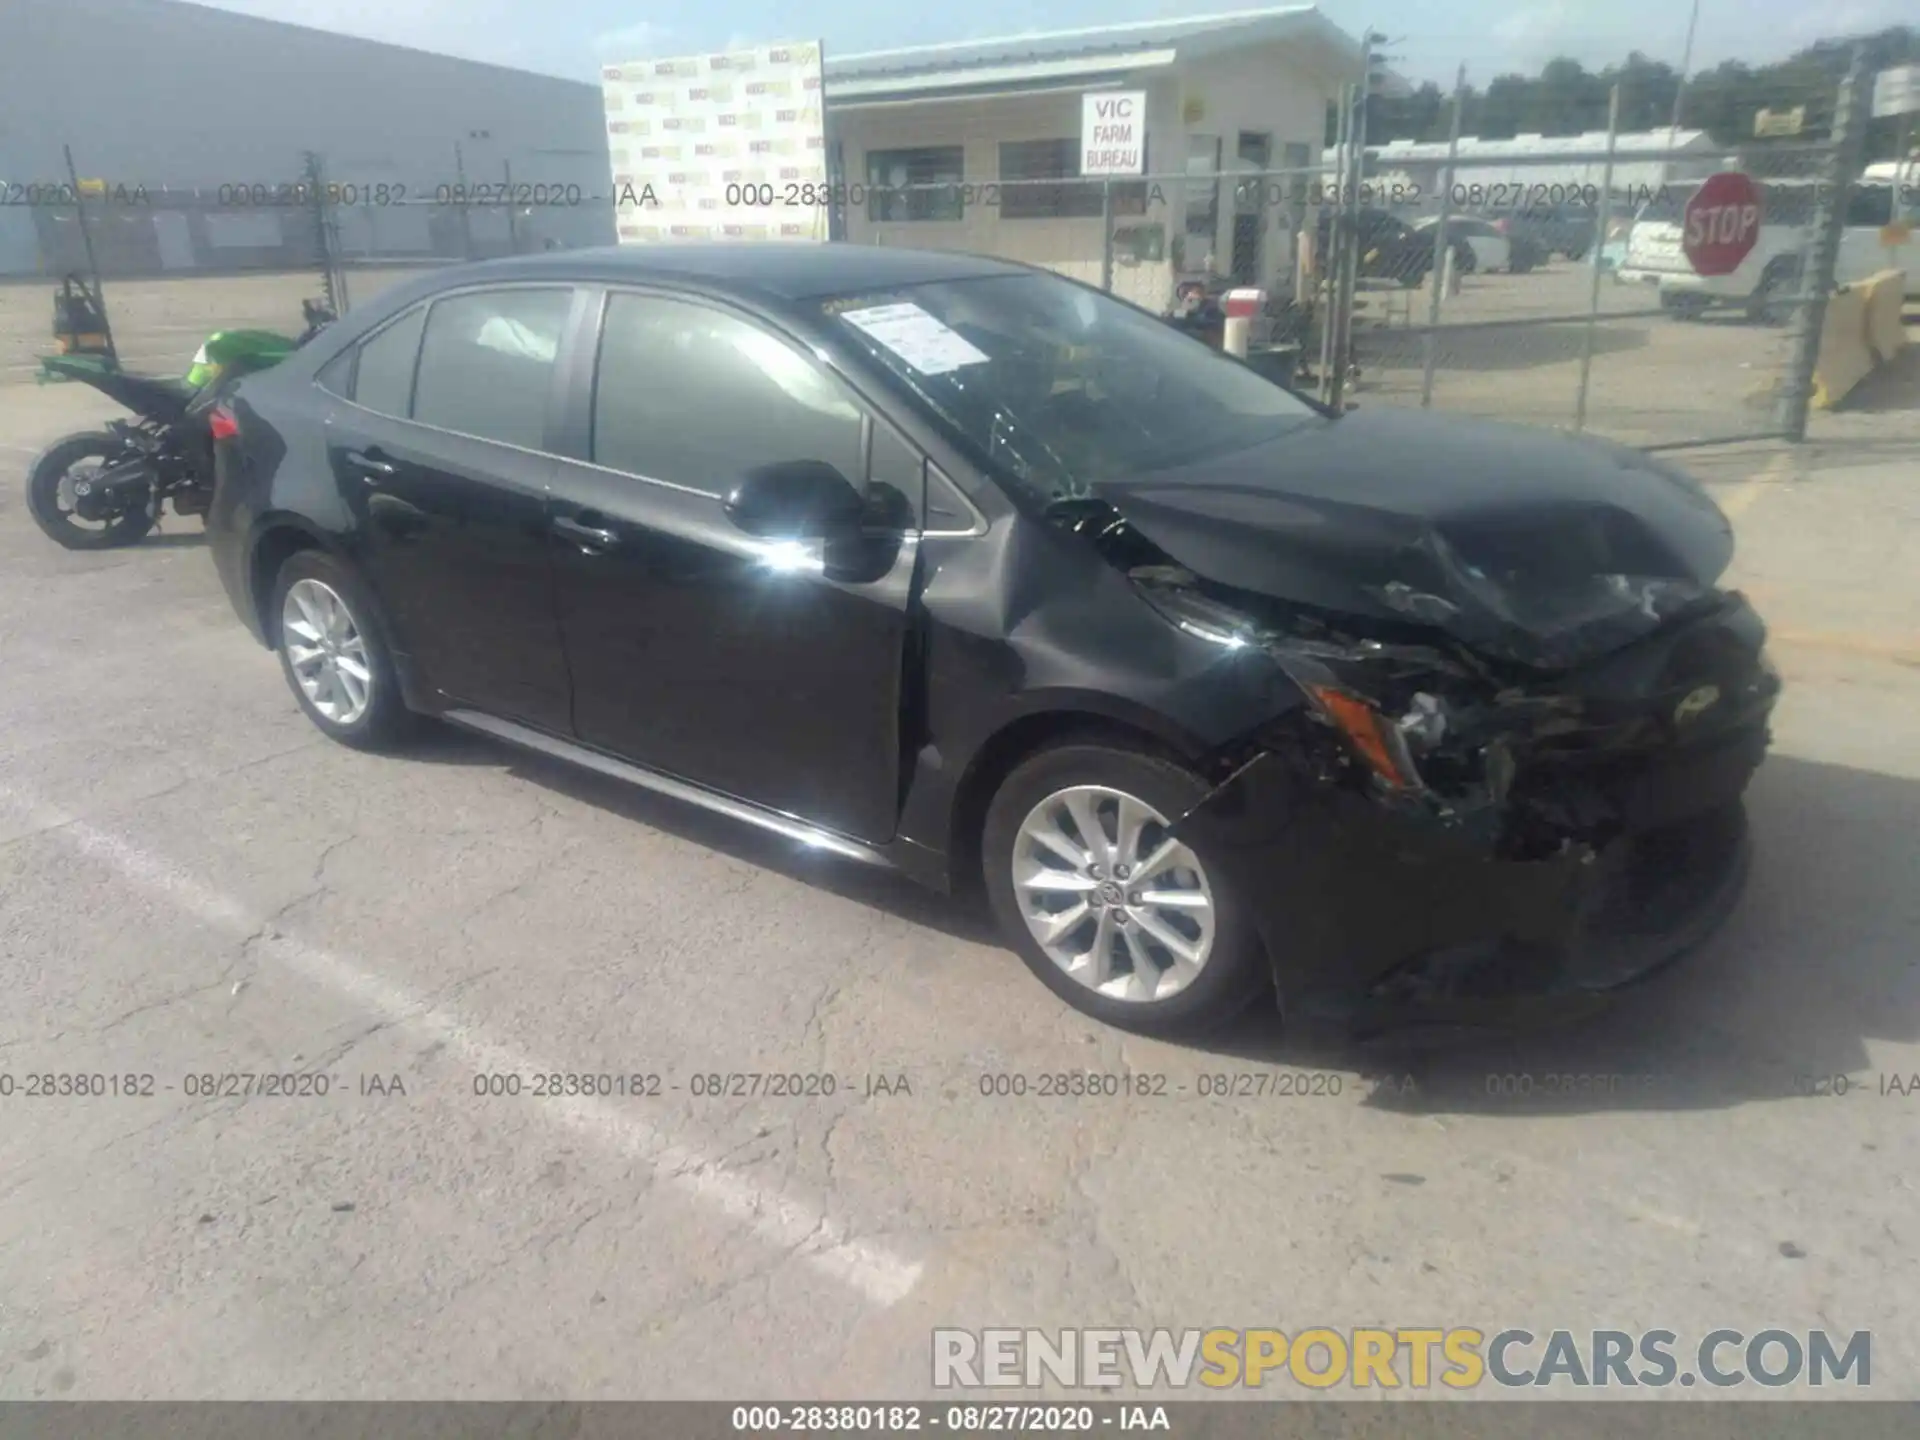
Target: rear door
1871,240
1654,242
442,458
743,665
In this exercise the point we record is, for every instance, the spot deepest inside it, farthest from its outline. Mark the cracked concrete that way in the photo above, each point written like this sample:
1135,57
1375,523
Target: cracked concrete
434,1240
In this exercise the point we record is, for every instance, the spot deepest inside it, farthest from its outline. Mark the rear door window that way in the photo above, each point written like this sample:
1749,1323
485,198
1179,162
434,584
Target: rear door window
487,362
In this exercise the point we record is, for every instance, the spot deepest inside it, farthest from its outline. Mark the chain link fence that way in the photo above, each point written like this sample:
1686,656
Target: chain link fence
1538,281
175,263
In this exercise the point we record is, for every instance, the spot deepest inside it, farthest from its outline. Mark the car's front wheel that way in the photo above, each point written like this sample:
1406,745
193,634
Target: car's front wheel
333,653
1116,916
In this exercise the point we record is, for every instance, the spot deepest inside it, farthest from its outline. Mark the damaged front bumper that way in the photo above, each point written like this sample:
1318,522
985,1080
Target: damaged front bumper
1390,912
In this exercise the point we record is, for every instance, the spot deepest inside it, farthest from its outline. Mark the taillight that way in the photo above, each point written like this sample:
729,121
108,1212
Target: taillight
222,423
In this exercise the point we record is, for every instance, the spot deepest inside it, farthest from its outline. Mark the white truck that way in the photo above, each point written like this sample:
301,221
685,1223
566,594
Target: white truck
1881,232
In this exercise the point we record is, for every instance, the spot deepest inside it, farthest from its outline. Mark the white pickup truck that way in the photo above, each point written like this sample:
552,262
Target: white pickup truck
1882,232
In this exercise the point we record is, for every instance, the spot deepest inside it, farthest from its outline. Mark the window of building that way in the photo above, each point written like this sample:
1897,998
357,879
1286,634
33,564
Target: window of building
1024,162
1074,196
486,364
921,184
1203,199
383,380
696,397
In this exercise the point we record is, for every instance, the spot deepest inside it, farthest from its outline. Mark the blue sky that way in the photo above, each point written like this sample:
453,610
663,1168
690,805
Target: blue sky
573,37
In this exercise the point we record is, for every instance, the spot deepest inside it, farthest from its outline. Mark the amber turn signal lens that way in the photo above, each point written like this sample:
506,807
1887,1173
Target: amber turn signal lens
1361,724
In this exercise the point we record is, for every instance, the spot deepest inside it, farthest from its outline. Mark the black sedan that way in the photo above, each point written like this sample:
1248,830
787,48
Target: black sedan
950,565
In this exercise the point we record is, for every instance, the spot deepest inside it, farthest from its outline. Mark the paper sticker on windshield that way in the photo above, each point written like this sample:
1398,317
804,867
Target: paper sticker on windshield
916,337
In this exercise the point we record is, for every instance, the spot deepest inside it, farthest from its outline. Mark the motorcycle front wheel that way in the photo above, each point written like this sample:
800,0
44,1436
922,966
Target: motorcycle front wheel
53,498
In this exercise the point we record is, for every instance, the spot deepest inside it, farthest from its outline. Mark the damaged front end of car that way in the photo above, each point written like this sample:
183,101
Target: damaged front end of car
1455,835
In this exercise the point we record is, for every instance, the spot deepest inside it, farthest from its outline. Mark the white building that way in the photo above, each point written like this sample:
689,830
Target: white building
1530,168
1247,91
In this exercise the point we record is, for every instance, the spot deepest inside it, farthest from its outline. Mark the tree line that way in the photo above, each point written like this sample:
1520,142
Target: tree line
1566,98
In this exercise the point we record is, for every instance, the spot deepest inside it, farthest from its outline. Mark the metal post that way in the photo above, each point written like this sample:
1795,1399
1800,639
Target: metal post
513,226
1442,252
1823,253
460,199
1327,284
1686,64
1106,234
93,265
333,276
1350,264
1593,264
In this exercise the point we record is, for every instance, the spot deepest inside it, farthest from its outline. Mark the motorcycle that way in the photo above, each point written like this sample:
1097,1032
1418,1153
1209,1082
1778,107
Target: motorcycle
106,488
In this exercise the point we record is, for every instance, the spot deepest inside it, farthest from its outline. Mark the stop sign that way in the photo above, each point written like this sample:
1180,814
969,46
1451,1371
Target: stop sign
1722,223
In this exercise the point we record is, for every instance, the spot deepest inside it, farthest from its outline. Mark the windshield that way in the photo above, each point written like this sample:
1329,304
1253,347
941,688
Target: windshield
1059,387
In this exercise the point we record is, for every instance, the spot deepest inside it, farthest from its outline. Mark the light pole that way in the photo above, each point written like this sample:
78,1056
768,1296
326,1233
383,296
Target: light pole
1686,64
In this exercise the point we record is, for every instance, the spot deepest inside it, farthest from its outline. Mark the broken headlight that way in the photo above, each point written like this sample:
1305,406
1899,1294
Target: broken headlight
1388,702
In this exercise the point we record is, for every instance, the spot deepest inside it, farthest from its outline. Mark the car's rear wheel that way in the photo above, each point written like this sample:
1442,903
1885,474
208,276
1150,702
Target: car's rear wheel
1116,916
333,653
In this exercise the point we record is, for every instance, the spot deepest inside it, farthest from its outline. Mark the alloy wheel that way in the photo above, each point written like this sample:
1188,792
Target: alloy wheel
1110,896
327,652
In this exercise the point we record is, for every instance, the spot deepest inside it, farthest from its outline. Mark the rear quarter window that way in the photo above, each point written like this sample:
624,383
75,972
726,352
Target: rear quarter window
383,378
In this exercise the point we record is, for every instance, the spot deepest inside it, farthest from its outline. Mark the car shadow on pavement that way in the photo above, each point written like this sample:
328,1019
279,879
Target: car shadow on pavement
871,886
1816,964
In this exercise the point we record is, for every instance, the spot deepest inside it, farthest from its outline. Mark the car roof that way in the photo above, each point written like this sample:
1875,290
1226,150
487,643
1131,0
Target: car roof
785,270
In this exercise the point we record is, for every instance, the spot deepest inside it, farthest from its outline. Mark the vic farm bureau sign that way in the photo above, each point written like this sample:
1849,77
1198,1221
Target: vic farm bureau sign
1113,132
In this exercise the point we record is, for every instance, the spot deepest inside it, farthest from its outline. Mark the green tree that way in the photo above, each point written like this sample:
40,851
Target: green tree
1566,99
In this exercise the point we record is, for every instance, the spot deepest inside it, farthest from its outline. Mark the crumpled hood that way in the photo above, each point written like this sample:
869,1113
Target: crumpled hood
1523,544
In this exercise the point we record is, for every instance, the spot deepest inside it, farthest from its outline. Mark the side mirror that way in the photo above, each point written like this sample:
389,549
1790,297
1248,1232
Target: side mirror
796,500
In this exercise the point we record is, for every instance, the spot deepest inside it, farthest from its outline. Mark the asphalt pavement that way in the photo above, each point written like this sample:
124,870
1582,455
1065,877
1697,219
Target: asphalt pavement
195,885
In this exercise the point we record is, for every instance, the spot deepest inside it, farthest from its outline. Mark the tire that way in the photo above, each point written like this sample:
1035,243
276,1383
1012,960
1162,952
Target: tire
61,525
355,696
1231,967
1684,307
1763,308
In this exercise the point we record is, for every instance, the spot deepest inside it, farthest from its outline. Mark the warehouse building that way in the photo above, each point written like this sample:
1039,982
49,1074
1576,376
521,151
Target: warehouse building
195,122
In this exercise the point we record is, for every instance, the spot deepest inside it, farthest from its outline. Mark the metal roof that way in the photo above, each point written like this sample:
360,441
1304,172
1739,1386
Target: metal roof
1591,142
1097,49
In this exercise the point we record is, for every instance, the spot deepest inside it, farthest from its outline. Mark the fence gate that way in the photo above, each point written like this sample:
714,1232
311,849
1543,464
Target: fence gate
1551,286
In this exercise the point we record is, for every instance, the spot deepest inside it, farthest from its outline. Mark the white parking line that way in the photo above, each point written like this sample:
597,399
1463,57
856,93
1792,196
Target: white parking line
776,1216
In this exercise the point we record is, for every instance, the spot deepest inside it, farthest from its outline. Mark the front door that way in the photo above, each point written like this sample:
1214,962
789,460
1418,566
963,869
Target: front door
441,459
739,664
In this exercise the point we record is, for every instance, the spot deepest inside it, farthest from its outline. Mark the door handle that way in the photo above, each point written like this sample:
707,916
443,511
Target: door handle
369,463
588,537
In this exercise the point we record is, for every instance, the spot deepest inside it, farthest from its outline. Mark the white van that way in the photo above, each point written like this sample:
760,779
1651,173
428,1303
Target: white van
1771,272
